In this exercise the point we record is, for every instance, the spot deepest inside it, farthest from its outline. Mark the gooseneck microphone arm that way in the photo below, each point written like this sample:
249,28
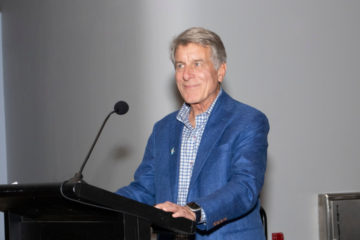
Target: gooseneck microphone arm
120,108
92,147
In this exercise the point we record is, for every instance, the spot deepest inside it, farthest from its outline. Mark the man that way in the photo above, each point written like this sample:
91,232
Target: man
207,161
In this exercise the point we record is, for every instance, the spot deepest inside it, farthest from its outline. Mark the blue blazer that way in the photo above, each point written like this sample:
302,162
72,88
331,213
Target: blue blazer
227,176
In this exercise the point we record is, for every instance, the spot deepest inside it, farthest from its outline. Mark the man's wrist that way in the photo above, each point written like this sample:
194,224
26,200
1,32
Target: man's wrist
196,209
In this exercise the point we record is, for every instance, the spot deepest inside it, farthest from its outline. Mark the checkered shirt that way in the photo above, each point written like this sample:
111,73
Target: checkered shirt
190,142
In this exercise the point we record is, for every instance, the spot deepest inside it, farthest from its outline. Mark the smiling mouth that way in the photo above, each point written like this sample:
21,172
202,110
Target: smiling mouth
190,87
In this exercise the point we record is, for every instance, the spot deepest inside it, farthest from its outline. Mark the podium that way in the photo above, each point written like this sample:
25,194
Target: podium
40,211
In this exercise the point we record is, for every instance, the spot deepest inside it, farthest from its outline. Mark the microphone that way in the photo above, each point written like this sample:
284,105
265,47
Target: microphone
120,108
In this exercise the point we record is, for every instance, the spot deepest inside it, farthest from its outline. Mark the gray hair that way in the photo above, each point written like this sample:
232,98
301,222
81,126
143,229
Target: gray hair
203,37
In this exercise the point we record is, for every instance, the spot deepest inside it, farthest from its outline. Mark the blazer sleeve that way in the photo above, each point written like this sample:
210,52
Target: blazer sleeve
142,189
245,179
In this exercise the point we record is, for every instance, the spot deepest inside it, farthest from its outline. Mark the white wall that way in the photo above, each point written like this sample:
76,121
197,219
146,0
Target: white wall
3,169
67,62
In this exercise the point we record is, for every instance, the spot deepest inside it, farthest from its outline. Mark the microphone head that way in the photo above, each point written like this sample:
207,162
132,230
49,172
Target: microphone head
121,108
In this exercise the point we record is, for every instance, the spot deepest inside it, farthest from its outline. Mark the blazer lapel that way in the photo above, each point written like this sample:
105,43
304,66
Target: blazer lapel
215,126
175,132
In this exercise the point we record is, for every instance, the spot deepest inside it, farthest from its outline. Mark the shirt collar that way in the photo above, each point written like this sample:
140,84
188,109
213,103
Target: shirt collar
183,115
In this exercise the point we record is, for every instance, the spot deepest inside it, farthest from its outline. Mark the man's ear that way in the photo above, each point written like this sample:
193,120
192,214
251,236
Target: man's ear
221,72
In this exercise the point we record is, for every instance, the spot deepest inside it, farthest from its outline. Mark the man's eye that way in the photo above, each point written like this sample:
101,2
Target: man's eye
180,66
197,64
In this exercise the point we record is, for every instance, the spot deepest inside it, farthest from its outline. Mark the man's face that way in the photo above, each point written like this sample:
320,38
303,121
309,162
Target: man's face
196,77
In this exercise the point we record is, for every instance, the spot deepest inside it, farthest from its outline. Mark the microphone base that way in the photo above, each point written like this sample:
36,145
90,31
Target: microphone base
77,178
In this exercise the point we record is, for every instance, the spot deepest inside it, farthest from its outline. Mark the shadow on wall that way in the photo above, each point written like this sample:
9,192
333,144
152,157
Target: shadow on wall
121,152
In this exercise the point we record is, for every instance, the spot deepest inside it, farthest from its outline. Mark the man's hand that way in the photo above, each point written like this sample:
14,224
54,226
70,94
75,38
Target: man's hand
177,210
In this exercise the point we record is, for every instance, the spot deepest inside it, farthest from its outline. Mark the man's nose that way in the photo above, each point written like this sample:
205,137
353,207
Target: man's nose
188,73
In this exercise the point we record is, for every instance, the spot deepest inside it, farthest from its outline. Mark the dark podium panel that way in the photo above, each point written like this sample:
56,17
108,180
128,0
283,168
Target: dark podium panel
40,211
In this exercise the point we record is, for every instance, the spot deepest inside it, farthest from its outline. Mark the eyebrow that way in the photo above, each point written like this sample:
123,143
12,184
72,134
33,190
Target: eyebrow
195,60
